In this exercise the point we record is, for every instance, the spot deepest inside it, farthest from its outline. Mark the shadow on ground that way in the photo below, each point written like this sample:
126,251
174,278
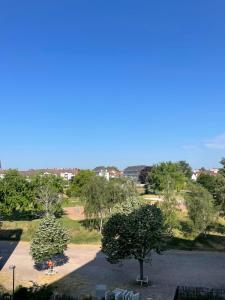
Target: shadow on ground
6,248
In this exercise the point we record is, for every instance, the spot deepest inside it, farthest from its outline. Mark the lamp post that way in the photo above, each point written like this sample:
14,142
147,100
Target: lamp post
12,268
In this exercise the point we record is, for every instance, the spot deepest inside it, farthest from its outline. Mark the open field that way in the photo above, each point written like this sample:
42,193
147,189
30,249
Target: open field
23,230
80,234
87,267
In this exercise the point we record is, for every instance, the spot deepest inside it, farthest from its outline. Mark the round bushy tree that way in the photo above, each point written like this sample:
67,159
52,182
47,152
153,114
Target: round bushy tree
133,235
49,239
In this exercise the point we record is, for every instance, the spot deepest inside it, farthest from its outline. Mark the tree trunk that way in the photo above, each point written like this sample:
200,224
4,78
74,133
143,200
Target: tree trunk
141,263
101,223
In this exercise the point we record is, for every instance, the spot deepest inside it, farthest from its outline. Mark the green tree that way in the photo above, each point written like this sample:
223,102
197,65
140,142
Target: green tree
97,205
222,170
48,193
216,186
166,176
49,201
55,183
185,168
133,235
101,196
49,239
16,194
78,182
200,208
168,179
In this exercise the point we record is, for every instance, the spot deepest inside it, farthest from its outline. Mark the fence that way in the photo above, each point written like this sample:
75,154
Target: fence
199,293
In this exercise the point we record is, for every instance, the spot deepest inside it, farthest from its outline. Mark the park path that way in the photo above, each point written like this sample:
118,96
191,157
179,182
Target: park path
87,267
75,212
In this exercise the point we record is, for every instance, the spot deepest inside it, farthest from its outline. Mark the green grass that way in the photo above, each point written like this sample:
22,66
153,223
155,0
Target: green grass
23,230
72,201
183,238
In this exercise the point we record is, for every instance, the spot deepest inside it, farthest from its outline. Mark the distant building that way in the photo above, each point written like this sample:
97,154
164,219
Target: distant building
66,174
197,172
107,172
133,172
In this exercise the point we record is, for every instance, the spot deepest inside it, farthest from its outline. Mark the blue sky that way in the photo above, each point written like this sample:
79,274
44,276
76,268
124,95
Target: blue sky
87,83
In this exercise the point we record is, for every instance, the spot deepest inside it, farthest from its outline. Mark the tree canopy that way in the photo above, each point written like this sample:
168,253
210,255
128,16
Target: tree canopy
49,239
78,182
133,235
16,194
200,207
164,176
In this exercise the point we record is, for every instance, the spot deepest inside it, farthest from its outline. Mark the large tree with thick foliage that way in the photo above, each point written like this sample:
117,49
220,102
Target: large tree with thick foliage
164,176
168,179
16,194
216,186
78,182
201,209
222,170
49,239
134,235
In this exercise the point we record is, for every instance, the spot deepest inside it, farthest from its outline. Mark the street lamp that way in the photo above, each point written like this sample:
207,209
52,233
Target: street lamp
12,268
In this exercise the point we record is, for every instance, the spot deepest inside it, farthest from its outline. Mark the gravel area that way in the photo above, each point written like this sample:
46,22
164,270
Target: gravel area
87,267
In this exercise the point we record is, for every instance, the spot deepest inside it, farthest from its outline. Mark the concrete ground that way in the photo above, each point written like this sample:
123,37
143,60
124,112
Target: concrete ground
87,267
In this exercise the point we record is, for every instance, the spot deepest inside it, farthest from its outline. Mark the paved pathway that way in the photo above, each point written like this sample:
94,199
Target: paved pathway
87,267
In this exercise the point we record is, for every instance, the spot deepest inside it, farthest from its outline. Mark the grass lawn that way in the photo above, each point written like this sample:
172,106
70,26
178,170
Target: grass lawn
72,201
183,239
23,230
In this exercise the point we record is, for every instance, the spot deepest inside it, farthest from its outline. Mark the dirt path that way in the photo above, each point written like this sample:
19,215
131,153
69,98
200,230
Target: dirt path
75,213
87,267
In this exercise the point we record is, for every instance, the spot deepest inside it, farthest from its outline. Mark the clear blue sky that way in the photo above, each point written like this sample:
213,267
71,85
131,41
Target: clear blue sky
87,83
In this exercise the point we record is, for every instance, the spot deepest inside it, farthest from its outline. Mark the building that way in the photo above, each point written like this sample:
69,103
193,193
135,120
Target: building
197,172
133,172
107,172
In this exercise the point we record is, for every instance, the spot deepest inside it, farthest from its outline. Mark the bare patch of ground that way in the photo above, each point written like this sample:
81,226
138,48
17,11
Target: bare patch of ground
75,213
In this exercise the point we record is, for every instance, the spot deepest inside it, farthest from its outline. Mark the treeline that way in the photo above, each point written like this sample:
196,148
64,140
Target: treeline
29,198
204,199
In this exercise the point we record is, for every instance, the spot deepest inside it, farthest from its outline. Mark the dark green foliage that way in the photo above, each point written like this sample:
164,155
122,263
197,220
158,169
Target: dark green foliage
200,207
222,170
16,194
166,175
33,293
216,186
78,182
185,168
144,174
133,235
49,239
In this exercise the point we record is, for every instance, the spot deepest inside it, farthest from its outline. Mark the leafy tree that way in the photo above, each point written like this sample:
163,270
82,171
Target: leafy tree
101,196
144,174
55,183
169,210
200,207
16,194
166,176
133,235
96,200
79,181
168,179
216,186
48,193
49,239
128,206
185,168
222,170
49,200
119,190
